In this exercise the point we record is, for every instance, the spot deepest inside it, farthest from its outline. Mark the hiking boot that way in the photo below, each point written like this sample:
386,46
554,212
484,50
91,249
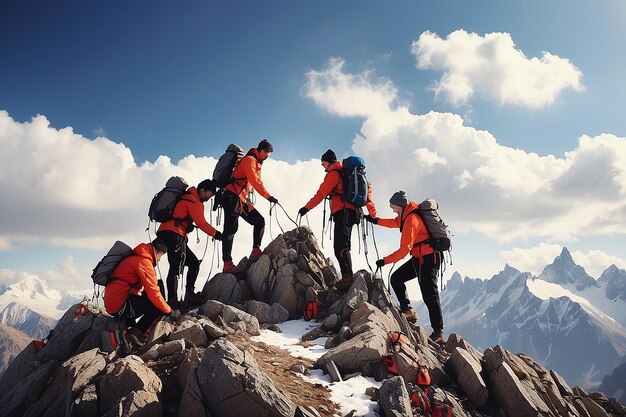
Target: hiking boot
228,266
136,337
256,252
345,283
193,297
437,338
410,315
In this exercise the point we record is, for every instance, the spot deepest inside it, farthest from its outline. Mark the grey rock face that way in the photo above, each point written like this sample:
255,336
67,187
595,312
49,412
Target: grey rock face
136,404
191,331
468,376
225,288
394,398
232,384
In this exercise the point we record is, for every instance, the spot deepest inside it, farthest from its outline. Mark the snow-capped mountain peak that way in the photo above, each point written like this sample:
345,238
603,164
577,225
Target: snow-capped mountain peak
565,271
613,280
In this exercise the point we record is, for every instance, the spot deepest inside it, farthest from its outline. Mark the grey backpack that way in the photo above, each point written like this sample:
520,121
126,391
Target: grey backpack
439,234
103,272
226,164
163,203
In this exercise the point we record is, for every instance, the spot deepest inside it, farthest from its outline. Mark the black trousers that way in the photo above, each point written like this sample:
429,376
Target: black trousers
233,209
143,314
428,272
344,221
179,255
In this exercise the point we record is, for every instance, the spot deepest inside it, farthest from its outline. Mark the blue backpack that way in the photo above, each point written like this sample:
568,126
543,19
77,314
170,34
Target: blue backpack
354,181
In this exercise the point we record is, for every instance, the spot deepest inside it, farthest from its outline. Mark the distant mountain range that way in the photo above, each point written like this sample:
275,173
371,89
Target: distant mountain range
12,342
564,318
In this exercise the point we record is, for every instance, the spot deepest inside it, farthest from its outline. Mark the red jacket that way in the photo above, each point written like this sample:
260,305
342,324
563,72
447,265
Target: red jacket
333,186
413,231
132,275
189,206
247,175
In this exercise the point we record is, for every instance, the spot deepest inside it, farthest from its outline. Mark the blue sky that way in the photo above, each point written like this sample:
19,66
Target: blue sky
169,80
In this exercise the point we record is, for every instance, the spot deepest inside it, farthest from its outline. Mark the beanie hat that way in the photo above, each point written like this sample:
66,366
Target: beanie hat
264,145
399,199
159,245
329,156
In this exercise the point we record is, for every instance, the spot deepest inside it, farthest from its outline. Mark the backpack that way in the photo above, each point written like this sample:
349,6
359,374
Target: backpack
440,237
163,203
423,376
398,339
354,181
226,165
420,399
442,410
311,310
102,273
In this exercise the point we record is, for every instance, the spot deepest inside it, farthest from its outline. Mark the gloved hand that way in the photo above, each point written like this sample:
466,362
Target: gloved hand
174,315
218,236
303,211
380,263
273,200
371,219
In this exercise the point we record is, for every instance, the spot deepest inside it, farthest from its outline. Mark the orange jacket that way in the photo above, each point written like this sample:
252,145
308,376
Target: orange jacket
413,231
333,186
247,175
132,275
189,206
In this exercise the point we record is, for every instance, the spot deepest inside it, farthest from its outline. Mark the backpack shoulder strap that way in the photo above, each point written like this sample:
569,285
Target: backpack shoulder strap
416,211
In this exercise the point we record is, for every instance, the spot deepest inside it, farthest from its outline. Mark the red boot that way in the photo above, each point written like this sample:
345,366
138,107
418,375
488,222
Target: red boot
228,266
256,252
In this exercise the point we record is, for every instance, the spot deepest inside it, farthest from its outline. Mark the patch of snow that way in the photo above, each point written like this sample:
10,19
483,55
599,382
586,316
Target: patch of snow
349,395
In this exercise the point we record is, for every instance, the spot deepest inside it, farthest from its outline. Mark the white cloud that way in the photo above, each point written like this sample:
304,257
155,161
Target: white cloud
505,193
495,68
595,261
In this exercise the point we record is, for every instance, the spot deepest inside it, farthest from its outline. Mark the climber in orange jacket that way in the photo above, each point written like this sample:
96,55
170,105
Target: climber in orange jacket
134,288
238,201
188,210
344,214
424,263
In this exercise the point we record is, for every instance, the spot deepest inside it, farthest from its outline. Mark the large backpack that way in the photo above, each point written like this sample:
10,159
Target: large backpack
439,234
163,203
103,272
354,181
226,165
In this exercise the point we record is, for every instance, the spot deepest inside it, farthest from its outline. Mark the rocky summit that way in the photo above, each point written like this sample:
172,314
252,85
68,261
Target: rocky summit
208,364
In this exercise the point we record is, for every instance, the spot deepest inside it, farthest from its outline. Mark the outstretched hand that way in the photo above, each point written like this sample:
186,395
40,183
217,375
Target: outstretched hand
273,200
380,263
303,211
373,220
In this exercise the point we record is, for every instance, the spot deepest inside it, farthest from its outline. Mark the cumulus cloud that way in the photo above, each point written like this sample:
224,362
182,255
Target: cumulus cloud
534,259
504,193
495,68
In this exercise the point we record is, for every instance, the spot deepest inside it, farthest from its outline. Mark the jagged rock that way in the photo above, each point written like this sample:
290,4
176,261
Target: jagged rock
292,255
160,331
68,334
123,377
367,316
212,330
86,404
467,370
191,403
22,365
275,247
394,398
594,409
356,295
173,347
406,362
455,340
28,389
580,392
257,278
191,331
231,316
506,388
258,309
277,314
225,288
353,354
421,336
330,275
580,407
285,294
136,404
102,324
186,366
232,384
313,334
331,323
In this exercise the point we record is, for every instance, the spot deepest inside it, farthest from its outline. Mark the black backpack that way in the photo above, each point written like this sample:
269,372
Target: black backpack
226,165
439,234
354,181
163,203
102,273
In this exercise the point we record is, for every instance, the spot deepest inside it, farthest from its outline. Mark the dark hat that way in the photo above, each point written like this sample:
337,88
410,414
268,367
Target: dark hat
264,145
159,245
399,199
329,156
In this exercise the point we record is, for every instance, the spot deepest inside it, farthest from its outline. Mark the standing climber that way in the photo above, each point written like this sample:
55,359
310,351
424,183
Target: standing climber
423,264
238,201
343,214
188,210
